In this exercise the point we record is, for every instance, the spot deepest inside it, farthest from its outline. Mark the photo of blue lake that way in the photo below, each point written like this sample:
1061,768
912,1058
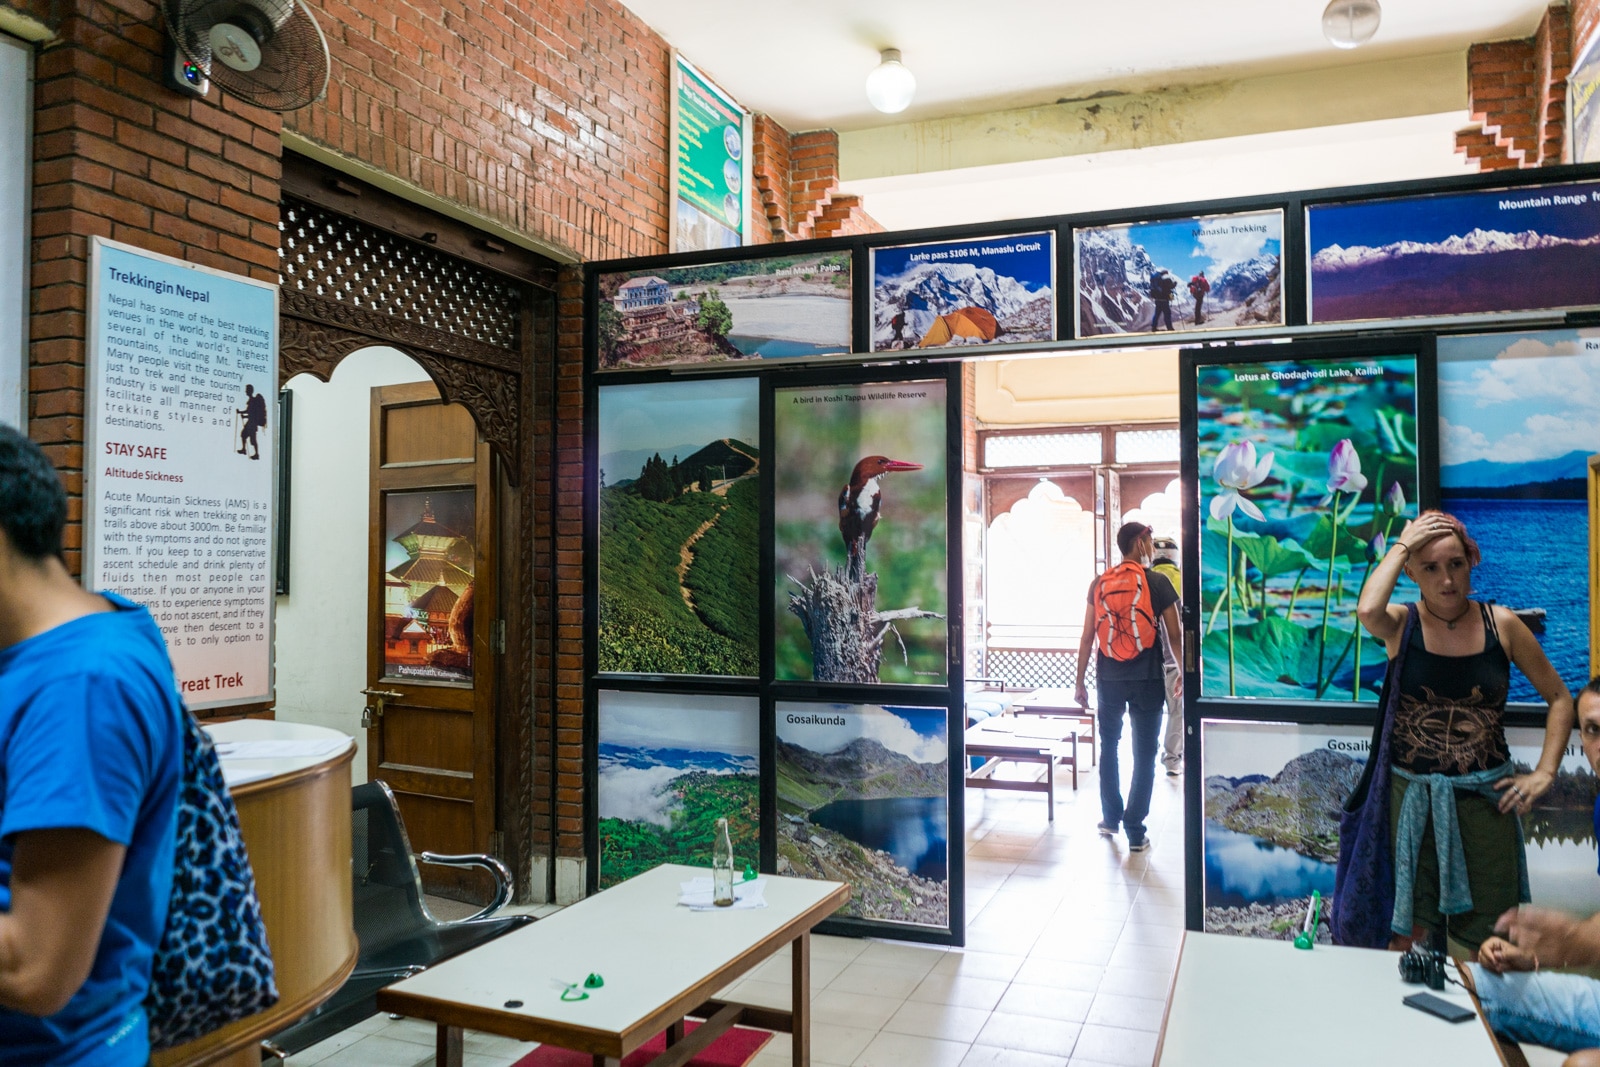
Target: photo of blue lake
778,347
1535,555
1242,870
911,829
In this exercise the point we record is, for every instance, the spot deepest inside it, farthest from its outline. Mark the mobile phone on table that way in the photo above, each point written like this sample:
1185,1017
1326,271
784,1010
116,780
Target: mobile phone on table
1444,1009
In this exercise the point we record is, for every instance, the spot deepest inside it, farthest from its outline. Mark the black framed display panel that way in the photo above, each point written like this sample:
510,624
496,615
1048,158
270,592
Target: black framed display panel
1333,421
1340,339
1294,278
905,707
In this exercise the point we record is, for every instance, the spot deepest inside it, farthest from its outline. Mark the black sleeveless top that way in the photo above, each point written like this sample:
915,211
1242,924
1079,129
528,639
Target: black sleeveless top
1451,718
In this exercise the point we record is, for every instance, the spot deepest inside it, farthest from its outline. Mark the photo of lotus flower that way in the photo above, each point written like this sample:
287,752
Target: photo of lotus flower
1308,469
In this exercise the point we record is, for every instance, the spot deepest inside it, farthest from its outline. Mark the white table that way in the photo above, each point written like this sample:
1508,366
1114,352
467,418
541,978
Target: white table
659,962
1244,1001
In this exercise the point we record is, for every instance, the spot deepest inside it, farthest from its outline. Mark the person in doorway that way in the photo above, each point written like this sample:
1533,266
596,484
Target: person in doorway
90,760
1162,287
1198,288
1120,627
1454,798
254,413
1521,1000
1166,565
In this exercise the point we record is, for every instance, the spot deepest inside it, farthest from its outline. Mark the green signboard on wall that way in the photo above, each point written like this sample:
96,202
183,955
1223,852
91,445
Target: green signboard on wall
710,135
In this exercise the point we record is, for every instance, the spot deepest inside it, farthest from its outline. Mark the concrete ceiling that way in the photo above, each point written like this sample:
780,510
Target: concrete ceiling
805,64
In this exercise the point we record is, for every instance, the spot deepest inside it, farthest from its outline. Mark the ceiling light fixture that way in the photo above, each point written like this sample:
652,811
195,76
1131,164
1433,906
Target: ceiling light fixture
891,85
1351,23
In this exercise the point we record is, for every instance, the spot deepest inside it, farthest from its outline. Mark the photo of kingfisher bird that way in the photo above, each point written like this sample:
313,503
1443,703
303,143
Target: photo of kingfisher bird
860,507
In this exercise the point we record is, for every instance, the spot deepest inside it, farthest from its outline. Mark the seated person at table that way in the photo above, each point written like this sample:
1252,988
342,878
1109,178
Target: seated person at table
1521,999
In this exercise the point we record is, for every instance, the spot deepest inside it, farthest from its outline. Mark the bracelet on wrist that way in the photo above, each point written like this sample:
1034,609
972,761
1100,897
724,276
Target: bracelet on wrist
1402,544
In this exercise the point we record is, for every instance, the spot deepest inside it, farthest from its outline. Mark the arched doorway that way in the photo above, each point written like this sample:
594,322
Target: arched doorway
362,268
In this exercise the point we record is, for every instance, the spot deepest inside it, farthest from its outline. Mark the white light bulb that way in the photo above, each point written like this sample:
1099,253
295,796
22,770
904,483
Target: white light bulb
1351,23
891,85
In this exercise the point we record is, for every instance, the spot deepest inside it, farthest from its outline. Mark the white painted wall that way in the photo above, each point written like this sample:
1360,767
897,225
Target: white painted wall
322,623
16,108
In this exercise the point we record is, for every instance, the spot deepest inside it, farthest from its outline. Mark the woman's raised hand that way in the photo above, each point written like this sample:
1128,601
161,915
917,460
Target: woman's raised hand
1421,530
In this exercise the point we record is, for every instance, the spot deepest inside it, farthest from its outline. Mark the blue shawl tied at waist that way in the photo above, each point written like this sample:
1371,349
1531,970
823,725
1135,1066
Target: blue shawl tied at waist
1435,794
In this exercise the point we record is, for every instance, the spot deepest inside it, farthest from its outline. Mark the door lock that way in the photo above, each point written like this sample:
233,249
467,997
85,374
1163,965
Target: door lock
374,711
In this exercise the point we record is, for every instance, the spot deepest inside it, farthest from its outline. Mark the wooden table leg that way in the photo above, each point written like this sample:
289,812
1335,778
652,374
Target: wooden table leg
606,1061
800,993
447,1049
1050,784
675,1033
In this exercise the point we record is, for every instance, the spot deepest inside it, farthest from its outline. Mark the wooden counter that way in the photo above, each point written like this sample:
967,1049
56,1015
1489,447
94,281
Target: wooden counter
295,819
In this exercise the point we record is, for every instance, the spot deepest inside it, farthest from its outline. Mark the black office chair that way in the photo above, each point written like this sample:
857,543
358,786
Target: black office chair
398,935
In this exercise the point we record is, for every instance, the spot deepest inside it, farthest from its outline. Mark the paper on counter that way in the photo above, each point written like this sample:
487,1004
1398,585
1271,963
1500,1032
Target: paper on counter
695,895
281,749
235,775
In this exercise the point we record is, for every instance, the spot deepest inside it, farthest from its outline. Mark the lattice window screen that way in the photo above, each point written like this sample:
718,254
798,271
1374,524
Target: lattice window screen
1041,449
1035,667
339,258
1147,446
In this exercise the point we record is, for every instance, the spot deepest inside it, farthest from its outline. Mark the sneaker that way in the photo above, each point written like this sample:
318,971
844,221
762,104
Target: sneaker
1141,845
1106,829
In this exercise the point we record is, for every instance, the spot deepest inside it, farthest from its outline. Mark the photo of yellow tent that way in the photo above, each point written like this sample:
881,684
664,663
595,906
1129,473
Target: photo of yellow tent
961,326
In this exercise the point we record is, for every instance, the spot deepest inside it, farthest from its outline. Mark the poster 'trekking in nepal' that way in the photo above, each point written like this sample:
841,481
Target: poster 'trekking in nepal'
179,461
861,533
1308,469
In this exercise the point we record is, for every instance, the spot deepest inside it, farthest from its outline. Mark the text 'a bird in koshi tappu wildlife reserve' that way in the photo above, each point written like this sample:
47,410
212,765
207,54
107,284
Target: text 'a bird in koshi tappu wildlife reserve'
839,609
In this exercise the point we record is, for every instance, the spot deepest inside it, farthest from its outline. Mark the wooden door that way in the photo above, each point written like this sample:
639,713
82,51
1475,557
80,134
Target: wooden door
431,618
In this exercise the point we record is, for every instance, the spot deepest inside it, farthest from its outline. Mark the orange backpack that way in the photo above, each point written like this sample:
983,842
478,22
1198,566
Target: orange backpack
1124,619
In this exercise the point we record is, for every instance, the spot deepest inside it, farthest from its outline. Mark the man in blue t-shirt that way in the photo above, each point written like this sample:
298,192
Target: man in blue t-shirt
90,758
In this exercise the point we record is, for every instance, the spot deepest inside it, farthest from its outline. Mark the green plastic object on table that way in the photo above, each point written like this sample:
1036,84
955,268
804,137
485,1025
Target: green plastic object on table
1307,937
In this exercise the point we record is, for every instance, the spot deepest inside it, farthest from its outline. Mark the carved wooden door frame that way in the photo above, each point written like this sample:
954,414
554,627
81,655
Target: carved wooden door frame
361,268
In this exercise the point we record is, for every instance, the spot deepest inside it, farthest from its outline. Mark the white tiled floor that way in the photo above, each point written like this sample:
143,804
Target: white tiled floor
1071,941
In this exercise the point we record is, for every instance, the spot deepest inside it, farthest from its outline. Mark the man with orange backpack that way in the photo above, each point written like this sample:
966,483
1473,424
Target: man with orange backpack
1119,625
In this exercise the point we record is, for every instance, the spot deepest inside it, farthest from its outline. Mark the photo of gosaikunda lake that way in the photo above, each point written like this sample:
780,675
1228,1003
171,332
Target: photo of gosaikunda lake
1273,794
1307,470
863,798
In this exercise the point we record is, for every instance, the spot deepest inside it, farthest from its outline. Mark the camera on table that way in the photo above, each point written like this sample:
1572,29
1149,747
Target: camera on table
1422,966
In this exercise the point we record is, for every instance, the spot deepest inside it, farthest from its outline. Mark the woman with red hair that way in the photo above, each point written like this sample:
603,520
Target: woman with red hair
1440,763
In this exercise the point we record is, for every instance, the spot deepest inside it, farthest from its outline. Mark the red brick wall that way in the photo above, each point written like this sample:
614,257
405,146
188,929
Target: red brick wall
1517,93
116,155
551,118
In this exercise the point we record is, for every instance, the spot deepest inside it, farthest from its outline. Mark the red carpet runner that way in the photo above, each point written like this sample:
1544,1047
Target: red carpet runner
733,1049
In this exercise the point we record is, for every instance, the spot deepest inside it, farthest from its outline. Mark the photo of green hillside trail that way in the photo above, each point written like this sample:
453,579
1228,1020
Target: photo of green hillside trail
679,564
633,846
863,770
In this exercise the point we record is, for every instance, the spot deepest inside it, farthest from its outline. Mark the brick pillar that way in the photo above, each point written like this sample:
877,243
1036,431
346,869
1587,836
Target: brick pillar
1517,92
117,154
797,187
558,723
769,164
